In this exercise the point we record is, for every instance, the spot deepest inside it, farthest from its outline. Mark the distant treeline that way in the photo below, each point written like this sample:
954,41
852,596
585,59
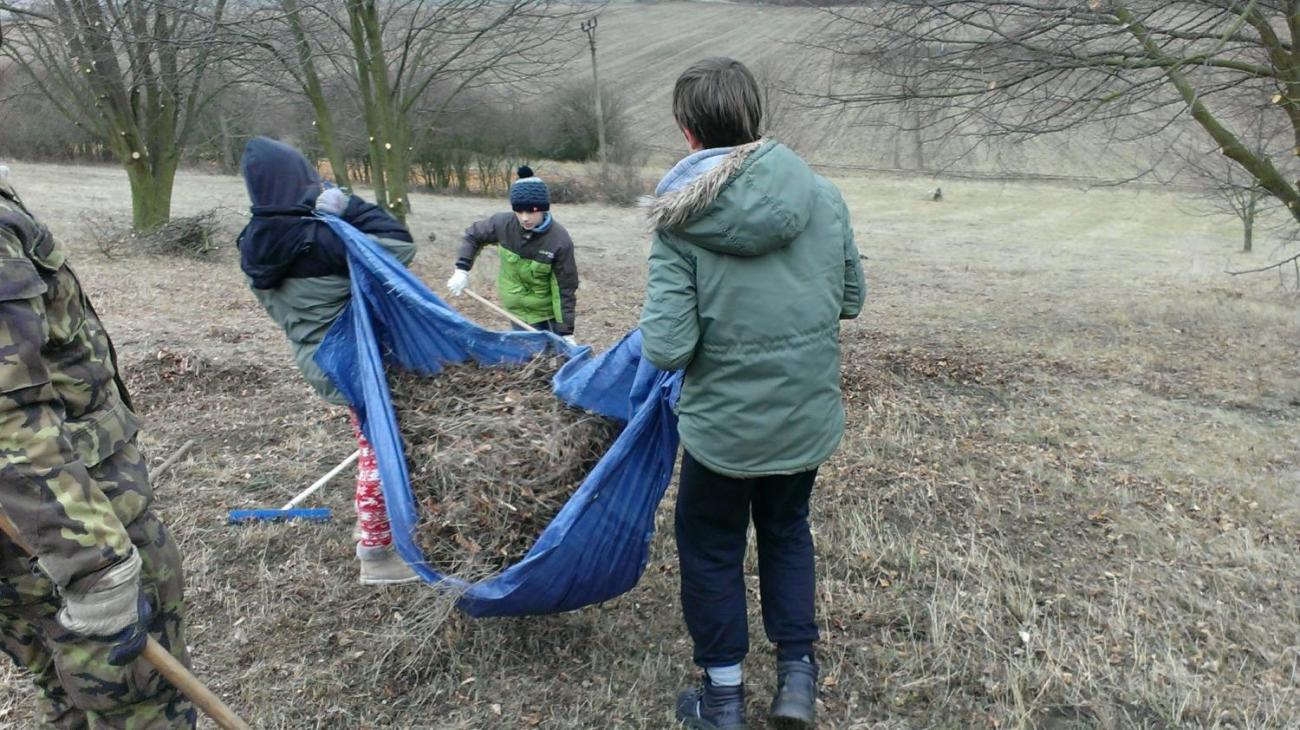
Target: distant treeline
475,148
780,3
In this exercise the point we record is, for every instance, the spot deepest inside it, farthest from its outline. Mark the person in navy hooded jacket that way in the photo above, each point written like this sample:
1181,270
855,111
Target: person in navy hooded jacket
297,268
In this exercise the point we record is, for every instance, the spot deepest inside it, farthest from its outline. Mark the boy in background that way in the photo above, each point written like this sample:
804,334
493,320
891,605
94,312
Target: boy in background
538,278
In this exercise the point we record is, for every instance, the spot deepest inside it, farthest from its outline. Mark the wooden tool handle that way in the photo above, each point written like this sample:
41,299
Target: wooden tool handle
184,680
171,460
163,661
500,311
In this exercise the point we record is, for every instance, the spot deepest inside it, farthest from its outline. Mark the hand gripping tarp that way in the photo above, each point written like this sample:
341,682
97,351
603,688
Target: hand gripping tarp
598,544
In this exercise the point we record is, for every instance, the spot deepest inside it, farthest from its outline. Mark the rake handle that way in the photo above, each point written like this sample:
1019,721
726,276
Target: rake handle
499,310
162,660
171,460
304,494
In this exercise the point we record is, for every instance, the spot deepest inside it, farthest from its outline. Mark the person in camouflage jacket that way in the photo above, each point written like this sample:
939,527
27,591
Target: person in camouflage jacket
104,574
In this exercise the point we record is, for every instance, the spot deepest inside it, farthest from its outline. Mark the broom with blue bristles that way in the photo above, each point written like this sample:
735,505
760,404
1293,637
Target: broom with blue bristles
291,510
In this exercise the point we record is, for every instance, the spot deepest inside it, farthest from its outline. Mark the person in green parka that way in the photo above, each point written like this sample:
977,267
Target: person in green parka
538,278
751,269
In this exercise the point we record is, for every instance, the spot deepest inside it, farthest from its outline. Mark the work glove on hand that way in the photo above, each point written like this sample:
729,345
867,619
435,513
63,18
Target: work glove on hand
111,610
458,282
333,201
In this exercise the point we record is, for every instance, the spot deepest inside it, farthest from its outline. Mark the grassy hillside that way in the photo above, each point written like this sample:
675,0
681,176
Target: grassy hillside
643,47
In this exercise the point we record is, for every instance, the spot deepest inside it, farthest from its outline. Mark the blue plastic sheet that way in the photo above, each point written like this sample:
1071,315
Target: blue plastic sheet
597,546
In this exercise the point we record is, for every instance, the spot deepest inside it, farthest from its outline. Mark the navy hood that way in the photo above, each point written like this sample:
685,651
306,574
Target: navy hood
284,239
278,177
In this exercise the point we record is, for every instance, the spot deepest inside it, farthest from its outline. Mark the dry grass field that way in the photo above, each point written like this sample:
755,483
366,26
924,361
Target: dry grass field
1068,496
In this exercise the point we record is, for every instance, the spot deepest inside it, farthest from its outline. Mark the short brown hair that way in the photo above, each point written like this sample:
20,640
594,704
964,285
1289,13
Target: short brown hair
718,101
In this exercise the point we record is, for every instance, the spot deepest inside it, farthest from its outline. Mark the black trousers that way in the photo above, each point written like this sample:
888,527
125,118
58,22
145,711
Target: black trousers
712,524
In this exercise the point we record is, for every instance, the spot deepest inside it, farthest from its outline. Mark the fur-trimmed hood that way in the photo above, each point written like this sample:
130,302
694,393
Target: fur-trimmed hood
756,200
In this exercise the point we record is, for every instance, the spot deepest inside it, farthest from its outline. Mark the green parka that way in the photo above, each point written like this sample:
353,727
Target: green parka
752,267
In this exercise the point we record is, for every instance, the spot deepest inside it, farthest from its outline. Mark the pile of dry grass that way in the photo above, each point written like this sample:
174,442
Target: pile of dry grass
194,236
493,456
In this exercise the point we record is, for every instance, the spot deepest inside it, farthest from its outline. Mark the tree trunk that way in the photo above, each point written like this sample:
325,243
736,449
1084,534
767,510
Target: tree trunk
328,138
151,193
1248,224
398,162
392,137
374,165
229,162
918,140
326,133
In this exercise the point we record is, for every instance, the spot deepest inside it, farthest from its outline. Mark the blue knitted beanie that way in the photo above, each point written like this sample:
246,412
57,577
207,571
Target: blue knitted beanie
529,193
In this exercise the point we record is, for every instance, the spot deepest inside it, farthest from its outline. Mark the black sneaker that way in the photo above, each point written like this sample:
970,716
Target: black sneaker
712,707
795,704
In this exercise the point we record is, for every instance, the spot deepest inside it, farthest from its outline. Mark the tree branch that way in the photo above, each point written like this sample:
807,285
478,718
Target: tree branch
1270,267
6,7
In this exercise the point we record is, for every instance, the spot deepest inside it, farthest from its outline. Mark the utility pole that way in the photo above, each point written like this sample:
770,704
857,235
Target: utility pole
589,27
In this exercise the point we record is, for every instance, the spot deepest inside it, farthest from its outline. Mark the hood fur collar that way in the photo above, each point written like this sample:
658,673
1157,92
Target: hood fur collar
674,209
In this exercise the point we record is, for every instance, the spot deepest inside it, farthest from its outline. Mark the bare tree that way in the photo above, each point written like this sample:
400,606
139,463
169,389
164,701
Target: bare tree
1226,187
1016,69
309,80
405,62
136,74
295,48
1227,190
409,59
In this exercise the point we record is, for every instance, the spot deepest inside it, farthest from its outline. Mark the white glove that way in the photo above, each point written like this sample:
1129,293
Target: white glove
108,605
569,339
333,201
458,281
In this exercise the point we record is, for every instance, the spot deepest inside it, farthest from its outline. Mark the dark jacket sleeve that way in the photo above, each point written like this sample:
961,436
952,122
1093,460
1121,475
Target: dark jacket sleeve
565,270
481,233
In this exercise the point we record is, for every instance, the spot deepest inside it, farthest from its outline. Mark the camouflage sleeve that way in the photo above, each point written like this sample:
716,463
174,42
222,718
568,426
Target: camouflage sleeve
44,488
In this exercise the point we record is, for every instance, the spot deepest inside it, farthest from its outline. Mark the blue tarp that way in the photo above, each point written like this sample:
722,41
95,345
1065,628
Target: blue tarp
598,545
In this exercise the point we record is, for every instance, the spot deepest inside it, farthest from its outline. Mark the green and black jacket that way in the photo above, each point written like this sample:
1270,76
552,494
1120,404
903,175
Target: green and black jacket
538,279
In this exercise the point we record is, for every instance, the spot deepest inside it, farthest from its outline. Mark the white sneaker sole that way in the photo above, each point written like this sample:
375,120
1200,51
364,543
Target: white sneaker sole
388,581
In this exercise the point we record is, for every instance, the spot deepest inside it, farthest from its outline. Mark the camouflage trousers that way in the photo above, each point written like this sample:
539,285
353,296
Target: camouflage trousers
79,688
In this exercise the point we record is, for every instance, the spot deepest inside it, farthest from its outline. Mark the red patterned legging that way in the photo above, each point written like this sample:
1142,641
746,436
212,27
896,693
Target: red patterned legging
372,515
